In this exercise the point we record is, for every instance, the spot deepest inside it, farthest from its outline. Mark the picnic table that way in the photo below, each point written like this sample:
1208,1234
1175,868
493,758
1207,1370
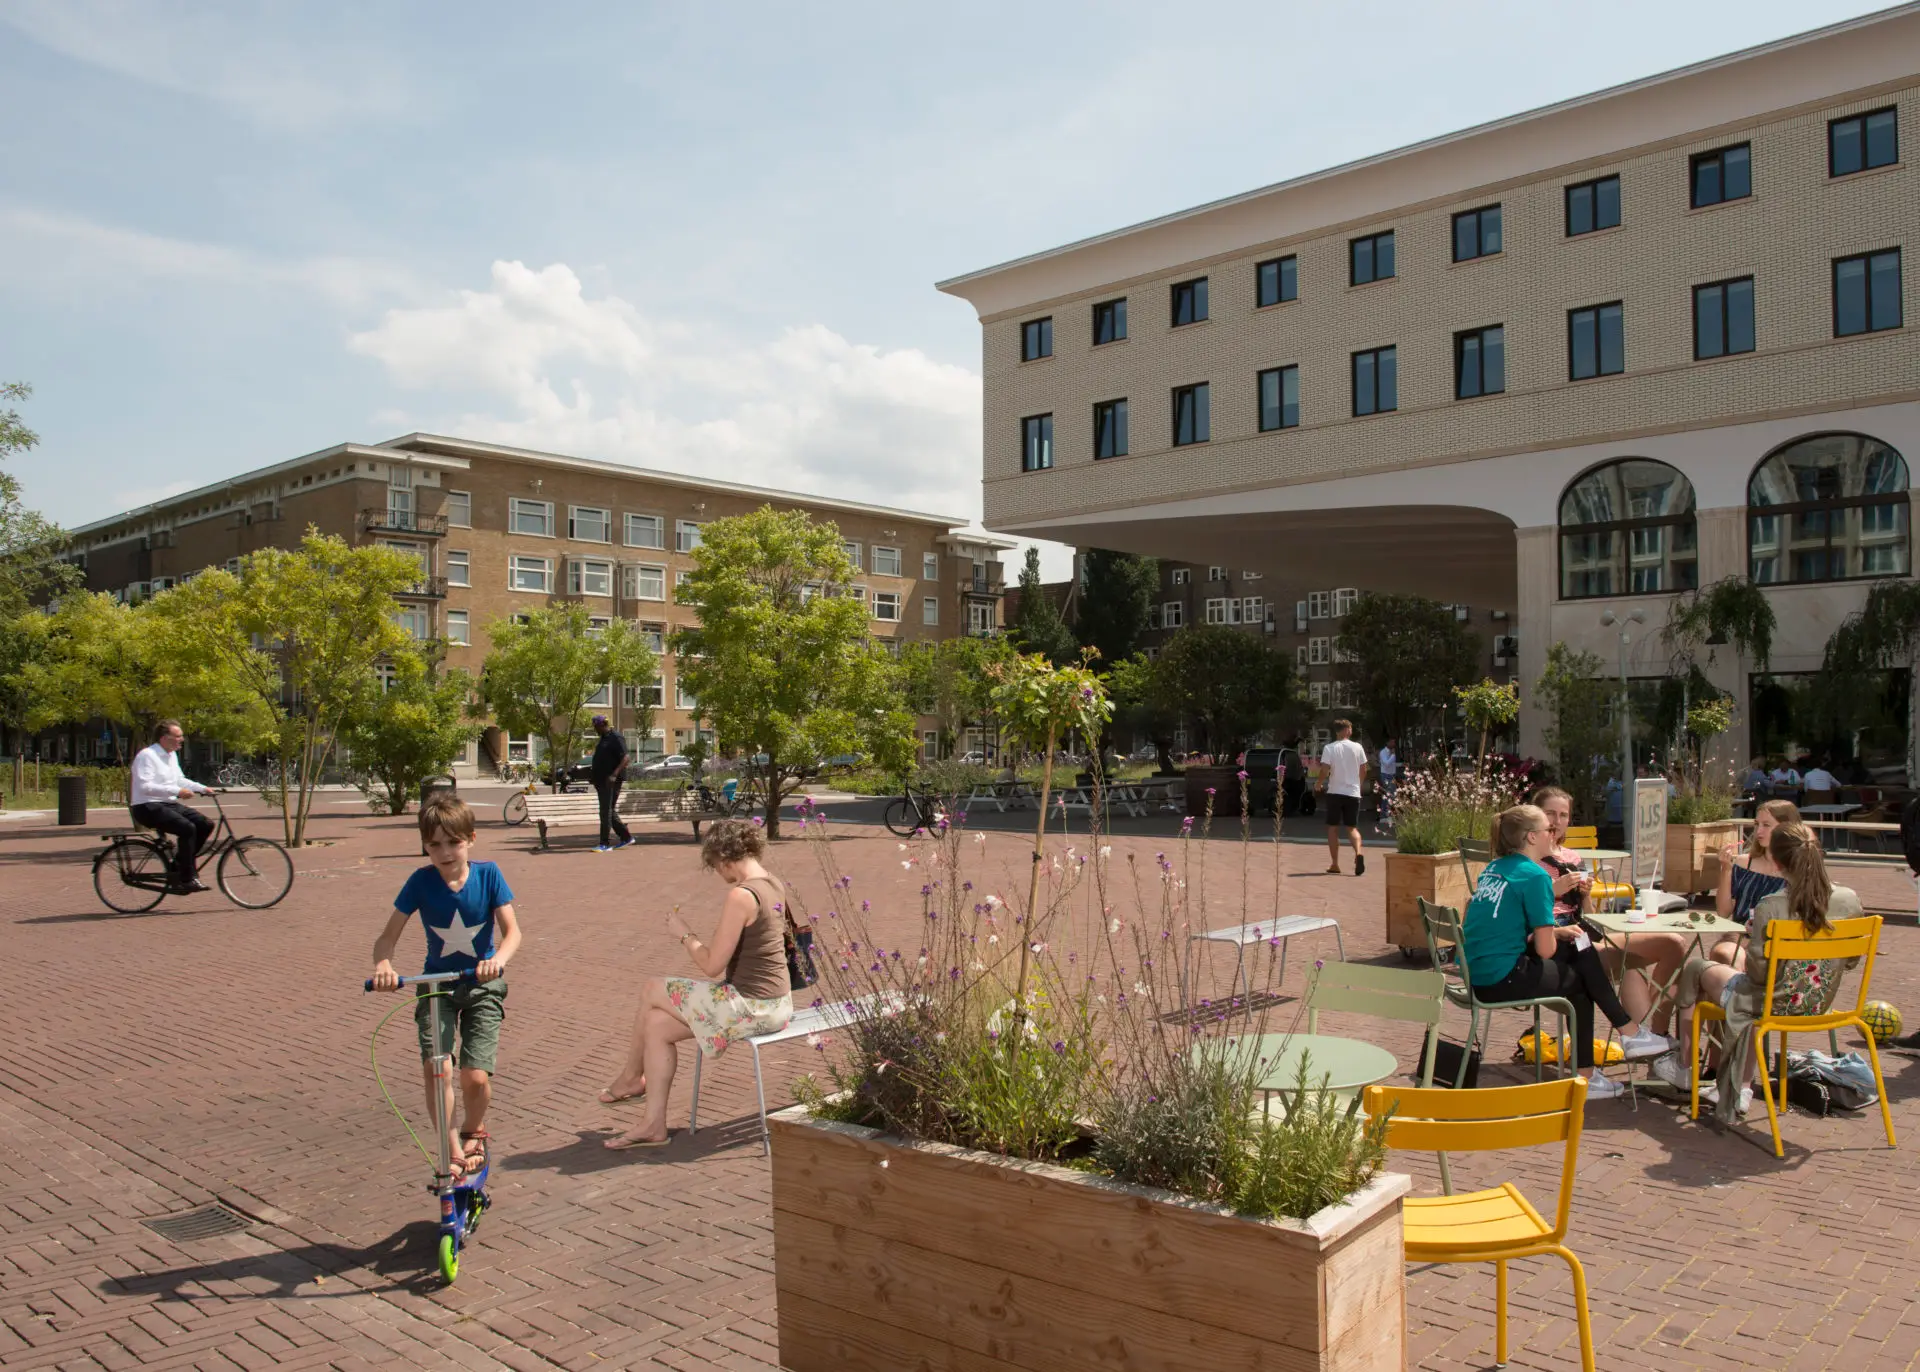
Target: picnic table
1002,795
1154,793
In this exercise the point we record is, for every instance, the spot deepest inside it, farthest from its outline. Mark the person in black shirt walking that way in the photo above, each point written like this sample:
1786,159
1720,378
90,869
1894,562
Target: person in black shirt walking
609,774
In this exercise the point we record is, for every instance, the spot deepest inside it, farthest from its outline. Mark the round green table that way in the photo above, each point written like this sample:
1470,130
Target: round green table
1345,1064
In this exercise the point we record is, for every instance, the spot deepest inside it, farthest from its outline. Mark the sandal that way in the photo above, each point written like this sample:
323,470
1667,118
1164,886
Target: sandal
469,1161
607,1097
621,1145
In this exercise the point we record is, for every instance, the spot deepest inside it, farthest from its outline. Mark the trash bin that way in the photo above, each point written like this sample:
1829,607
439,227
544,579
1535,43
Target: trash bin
433,786
73,800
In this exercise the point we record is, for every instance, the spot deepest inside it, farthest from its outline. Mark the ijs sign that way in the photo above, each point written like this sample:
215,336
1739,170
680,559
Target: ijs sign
1649,832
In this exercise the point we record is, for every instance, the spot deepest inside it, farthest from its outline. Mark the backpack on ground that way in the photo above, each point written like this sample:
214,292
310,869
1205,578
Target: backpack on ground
1820,1083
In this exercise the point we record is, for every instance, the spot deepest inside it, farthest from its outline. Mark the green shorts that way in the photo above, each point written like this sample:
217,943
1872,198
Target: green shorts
477,1008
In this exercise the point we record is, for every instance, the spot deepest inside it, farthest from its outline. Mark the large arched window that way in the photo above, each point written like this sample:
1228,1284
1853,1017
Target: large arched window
1828,508
1627,528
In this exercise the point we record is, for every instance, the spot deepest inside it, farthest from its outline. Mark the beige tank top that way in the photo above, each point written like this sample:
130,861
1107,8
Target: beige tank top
758,967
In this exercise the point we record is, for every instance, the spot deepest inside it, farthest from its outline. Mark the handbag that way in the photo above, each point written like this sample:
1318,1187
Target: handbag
799,945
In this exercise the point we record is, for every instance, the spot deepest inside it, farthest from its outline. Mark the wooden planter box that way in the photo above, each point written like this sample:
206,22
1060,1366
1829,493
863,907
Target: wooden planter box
1693,855
891,1255
1437,876
1226,787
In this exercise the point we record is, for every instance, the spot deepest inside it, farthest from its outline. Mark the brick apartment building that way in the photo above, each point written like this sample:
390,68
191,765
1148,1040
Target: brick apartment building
500,530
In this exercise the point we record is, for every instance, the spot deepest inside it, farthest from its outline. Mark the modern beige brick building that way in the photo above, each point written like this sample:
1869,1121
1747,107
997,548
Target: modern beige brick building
498,530
1559,366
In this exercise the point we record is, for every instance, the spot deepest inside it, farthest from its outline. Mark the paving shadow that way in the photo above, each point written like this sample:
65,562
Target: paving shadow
588,1155
405,1261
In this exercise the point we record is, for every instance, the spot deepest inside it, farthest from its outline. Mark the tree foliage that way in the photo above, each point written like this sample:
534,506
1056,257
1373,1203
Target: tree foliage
1116,593
543,665
1577,700
1403,655
1144,704
1882,633
29,571
782,661
412,730
1732,611
951,679
1230,683
1037,623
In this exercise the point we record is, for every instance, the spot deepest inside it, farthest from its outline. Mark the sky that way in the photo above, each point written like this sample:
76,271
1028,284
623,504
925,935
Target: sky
700,238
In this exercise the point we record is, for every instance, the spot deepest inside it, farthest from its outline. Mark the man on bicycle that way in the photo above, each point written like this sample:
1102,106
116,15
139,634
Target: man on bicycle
158,788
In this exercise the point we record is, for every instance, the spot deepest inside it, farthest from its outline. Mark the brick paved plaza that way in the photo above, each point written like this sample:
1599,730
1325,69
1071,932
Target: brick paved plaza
153,1064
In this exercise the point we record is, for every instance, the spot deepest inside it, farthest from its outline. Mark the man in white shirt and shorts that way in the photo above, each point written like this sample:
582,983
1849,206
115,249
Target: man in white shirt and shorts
158,788
1344,766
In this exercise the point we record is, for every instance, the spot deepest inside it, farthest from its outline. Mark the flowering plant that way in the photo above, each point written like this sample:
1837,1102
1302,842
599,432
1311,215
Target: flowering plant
1435,807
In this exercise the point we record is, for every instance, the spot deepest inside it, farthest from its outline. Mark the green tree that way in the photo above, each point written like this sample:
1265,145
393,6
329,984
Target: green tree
782,661
302,629
1731,612
1037,624
1403,655
1230,683
1487,705
1883,633
1579,702
413,729
951,680
29,570
1142,704
544,664
1116,593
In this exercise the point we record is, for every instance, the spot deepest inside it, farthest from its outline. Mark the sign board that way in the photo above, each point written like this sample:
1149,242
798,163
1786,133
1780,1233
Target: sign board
1648,834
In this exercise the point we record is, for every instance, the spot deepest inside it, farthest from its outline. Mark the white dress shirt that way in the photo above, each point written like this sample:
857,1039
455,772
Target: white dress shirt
157,777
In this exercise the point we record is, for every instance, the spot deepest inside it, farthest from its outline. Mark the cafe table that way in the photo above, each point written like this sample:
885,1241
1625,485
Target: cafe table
1344,1064
1698,926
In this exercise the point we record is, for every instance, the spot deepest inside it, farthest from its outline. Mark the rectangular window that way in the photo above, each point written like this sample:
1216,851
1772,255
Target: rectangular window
589,576
459,567
1182,576
1476,233
651,693
980,619
1252,609
1276,281
1344,697
1866,293
1370,258
1036,443
1596,341
530,517
1279,398
1317,694
1109,321
1300,655
1110,429
1345,598
1318,604
1153,616
1036,339
1189,301
646,531
1863,141
1223,611
1192,415
886,606
644,583
457,627
1173,614
598,625
1723,318
1593,205
590,525
930,609
1216,574
654,636
930,566
682,697
458,509
1319,651
1376,387
529,573
852,550
414,621
886,561
1721,175
686,535
1479,362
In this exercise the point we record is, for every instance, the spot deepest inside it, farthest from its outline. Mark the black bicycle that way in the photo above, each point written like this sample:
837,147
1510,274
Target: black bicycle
909,813
134,872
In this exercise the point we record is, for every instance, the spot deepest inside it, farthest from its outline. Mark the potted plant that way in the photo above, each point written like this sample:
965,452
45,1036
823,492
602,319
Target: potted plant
1700,817
1432,810
1037,1156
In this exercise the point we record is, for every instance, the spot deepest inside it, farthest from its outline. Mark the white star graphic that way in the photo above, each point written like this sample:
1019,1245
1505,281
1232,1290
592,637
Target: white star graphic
458,937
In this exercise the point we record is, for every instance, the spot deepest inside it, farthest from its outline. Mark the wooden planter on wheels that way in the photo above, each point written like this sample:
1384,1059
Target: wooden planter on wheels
890,1254
1436,876
1693,855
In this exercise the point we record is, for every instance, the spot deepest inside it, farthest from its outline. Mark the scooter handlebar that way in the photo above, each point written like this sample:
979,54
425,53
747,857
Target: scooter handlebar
433,978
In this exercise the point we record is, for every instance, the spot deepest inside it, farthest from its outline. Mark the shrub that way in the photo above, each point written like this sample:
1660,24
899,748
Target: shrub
1435,808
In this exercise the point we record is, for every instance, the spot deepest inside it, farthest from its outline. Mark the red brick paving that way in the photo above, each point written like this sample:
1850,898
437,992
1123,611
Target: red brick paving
155,1063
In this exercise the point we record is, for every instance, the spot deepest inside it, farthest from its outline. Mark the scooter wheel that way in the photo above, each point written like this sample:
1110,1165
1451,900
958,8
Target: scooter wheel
449,1258
476,1207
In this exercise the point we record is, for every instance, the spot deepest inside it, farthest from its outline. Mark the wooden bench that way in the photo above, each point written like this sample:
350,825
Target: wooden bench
646,807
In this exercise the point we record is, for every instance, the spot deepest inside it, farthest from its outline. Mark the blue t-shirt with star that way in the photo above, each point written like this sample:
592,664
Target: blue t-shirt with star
458,924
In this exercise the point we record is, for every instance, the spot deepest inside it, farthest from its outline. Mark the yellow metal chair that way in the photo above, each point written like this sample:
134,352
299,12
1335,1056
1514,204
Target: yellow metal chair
1500,1225
1844,938
1584,837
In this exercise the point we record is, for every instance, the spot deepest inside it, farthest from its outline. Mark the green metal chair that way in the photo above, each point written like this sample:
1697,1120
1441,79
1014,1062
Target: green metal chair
1445,938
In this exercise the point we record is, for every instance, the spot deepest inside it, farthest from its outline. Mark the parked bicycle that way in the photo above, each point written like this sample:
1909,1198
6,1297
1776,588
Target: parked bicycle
910,813
134,872
516,771
515,810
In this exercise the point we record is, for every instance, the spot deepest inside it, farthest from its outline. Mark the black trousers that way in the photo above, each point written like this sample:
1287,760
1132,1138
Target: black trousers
188,826
609,791
1576,976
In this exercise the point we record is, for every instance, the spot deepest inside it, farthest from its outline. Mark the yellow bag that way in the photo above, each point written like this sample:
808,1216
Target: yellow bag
1606,1052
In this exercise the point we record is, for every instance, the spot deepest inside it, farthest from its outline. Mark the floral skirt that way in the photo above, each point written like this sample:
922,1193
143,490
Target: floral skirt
719,1015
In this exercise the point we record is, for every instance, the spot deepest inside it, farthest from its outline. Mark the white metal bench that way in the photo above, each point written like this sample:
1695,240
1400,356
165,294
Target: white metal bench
1263,931
573,808
814,1019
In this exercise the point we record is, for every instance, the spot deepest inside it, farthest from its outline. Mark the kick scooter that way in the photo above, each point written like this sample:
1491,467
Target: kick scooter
462,1202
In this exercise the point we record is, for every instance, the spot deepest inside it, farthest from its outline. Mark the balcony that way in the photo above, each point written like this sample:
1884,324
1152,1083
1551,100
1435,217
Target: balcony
426,588
981,587
385,521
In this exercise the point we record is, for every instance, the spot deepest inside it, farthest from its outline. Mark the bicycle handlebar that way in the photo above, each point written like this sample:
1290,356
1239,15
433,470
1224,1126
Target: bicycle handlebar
434,978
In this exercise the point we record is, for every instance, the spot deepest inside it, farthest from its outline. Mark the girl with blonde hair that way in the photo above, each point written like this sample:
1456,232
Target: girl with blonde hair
1748,878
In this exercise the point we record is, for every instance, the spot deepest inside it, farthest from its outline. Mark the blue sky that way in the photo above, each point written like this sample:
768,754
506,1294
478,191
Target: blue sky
694,237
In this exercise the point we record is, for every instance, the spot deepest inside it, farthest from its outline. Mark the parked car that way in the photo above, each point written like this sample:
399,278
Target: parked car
672,765
579,770
844,762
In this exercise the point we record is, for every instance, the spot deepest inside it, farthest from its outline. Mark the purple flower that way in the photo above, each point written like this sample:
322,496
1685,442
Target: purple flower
1241,775
1209,790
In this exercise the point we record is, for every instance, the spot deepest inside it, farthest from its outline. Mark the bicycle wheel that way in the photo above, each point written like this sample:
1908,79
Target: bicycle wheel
130,876
515,810
256,873
901,818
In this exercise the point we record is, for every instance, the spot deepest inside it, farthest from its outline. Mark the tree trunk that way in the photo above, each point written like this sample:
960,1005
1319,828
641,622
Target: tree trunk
1033,885
771,813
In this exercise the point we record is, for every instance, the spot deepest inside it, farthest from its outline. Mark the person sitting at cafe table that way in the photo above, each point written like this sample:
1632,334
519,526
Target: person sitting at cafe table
1783,777
1756,781
1748,878
1821,778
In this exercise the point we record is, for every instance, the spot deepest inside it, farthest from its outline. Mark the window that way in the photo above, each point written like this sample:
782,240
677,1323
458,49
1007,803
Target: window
1593,205
654,636
1370,258
458,508
1192,415
530,517
1724,174
602,697
1628,526
1036,443
682,697
1189,301
1216,574
590,525
646,531
1476,233
886,561
529,573
1317,694
598,625
1723,318
929,745
1344,599
1835,508
930,566
1153,616
1109,429
1109,321
1596,341
1279,398
1223,611
1319,604
589,576
930,609
1344,696
680,579
457,627
1276,281
459,567
1479,362
1376,386
1173,614
643,583
414,621
980,619
1036,339
1182,575
852,551
686,535
1866,293
1862,141
886,606
1253,610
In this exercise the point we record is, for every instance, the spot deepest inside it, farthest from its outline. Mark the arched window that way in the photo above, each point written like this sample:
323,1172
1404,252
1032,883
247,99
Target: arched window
1828,508
1627,528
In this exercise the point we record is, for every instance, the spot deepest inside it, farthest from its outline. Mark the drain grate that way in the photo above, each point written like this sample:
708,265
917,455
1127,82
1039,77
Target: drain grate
208,1222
